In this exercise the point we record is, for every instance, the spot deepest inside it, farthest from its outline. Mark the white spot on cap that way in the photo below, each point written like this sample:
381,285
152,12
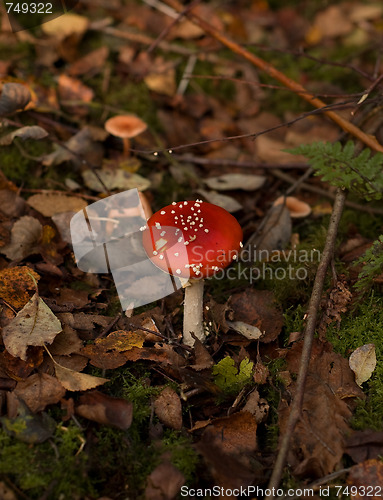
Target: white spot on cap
178,271
155,252
176,254
186,243
162,212
185,203
163,233
206,230
161,257
173,212
241,244
174,203
179,239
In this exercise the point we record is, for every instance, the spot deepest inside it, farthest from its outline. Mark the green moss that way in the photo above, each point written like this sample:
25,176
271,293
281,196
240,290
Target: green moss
365,326
53,467
183,455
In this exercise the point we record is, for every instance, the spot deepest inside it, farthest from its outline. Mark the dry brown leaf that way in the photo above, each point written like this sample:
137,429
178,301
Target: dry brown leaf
75,381
203,359
363,445
34,325
164,482
67,342
39,390
26,234
258,308
168,409
257,406
92,63
73,89
122,340
275,233
52,204
15,283
222,200
333,22
367,477
363,362
105,409
11,204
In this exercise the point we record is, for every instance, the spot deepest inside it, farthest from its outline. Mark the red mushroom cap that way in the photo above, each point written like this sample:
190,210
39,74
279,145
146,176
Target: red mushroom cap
192,239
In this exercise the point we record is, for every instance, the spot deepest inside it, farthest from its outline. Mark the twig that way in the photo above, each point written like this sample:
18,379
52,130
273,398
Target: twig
234,163
313,308
269,69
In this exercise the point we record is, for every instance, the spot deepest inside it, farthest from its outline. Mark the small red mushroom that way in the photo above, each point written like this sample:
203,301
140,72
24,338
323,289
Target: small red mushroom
192,240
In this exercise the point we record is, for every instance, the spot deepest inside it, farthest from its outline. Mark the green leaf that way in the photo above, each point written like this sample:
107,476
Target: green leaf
228,378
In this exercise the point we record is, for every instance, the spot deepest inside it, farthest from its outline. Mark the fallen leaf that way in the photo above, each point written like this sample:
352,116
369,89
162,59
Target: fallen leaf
227,182
363,445
73,89
164,482
39,390
67,342
6,493
367,476
222,200
11,204
75,381
259,309
15,283
114,179
105,409
26,234
31,132
168,409
18,369
26,426
332,22
93,62
162,82
122,340
275,233
203,359
363,362
14,97
257,406
52,204
66,25
34,325
249,331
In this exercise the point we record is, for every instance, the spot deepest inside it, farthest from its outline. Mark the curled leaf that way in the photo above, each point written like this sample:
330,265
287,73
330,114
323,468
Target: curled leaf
32,132
13,97
76,381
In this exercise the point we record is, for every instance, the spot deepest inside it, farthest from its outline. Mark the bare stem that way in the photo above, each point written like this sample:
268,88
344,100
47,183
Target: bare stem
193,312
126,147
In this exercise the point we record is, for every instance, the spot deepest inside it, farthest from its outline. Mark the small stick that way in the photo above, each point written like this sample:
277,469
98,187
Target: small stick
313,308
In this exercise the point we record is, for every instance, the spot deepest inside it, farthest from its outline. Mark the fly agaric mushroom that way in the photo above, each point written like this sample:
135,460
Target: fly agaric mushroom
192,240
126,127
297,208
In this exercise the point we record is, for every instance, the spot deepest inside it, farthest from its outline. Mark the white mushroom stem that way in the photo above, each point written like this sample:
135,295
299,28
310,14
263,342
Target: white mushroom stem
193,312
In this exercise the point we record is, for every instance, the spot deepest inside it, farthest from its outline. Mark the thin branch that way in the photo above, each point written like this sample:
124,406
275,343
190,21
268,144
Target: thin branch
312,313
270,70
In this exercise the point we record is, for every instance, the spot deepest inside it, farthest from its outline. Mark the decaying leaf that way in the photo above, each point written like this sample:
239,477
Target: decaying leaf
26,234
105,409
52,204
366,476
164,482
11,204
122,341
76,381
27,427
15,283
13,97
34,325
114,179
259,309
363,445
363,362
39,390
276,232
167,407
31,132
228,182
